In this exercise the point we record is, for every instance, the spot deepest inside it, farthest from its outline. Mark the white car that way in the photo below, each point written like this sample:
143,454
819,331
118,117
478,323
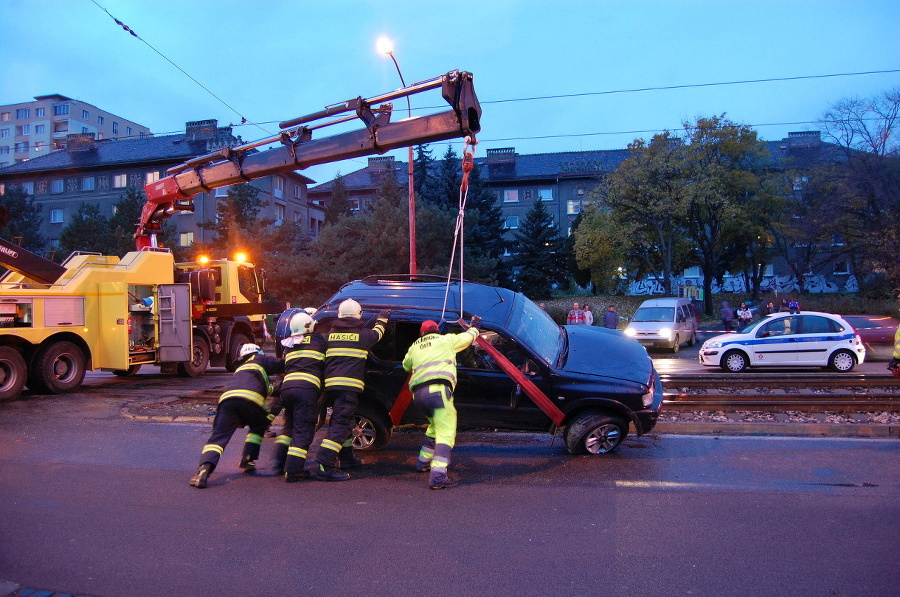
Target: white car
806,339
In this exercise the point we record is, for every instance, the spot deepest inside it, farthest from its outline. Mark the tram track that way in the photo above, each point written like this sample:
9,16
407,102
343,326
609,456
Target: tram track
809,392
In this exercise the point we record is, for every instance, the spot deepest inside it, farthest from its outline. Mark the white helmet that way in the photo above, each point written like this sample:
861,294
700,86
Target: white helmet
350,308
249,349
302,323
311,310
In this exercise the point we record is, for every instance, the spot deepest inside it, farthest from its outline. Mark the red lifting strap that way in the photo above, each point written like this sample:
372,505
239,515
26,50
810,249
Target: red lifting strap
468,162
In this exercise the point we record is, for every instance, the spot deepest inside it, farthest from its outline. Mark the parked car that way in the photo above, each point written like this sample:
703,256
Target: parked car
602,381
664,323
877,333
804,339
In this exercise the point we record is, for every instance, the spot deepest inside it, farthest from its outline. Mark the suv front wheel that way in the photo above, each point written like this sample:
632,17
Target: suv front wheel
594,433
371,431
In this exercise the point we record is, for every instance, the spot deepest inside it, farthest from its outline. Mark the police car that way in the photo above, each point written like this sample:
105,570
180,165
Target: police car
806,339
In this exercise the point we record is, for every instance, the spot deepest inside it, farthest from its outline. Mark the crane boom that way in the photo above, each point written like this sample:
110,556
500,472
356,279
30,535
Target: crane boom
298,149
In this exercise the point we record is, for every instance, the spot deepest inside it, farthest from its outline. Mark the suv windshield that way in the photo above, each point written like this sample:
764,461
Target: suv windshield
536,329
654,314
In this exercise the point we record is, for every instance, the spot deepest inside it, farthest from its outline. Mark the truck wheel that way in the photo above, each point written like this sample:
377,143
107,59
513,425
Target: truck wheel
593,433
57,368
234,350
371,431
130,372
200,361
12,373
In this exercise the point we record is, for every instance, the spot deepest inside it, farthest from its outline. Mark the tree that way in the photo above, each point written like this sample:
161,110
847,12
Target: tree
600,246
444,192
339,203
237,223
539,263
867,131
126,215
720,173
24,218
423,174
88,231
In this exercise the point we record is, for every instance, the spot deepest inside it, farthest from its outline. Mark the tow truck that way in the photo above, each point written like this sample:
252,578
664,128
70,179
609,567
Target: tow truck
115,314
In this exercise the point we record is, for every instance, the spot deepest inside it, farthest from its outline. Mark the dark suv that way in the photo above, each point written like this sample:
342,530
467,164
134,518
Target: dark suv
599,379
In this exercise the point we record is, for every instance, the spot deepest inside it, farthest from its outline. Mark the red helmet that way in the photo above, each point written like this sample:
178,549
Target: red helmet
428,327
896,371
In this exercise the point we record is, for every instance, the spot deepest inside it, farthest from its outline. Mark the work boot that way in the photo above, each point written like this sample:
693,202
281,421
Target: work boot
331,473
444,483
278,468
347,459
202,477
422,467
248,463
296,477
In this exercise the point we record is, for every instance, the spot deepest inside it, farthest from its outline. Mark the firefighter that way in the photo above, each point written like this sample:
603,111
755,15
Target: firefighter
894,364
346,349
432,362
242,403
304,361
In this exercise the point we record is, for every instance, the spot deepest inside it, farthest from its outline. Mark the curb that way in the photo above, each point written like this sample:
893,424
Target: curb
861,430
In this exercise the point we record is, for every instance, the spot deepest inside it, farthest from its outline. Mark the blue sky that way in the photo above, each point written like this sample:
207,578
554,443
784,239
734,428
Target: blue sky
272,60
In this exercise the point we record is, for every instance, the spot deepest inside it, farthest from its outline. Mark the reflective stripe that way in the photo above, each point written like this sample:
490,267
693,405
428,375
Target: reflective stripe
426,454
344,381
309,354
213,448
283,439
253,438
254,397
331,445
301,376
298,452
438,463
346,352
251,366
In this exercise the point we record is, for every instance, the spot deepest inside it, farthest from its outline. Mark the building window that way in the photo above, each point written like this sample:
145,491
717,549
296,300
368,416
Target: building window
4,132
511,196
573,207
354,204
842,268
151,177
2,188
61,127
545,194
512,222
278,183
56,215
28,187
186,239
84,114
72,185
128,131
60,109
40,145
297,192
39,112
115,128
87,183
42,187
57,186
4,148
23,113
120,181
24,129
99,120
4,116
279,214
103,182
20,147
40,129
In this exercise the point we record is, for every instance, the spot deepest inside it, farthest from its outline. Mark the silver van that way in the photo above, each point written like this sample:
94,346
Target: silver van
664,323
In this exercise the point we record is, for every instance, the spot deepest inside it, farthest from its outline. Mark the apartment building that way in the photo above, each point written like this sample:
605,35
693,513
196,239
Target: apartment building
32,129
99,171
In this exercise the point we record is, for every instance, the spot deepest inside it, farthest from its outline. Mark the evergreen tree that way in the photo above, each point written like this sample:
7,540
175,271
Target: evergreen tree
423,174
339,204
237,223
126,215
88,231
445,191
539,263
23,218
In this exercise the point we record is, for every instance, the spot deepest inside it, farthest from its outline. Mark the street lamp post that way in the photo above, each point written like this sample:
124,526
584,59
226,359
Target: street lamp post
386,46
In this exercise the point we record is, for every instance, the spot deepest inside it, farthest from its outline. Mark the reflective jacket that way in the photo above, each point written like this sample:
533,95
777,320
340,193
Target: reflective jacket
433,357
304,363
346,348
251,379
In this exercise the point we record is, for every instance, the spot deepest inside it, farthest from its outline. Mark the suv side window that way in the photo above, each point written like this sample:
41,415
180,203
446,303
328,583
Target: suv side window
398,337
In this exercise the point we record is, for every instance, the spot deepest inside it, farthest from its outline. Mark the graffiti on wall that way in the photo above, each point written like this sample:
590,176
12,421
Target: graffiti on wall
735,284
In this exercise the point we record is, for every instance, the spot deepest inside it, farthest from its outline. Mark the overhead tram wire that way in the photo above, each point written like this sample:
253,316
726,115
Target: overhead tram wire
131,31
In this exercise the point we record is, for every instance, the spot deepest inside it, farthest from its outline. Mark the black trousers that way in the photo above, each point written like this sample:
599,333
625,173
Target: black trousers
300,416
231,414
341,426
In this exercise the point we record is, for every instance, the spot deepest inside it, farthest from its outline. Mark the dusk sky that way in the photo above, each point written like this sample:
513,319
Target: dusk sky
271,60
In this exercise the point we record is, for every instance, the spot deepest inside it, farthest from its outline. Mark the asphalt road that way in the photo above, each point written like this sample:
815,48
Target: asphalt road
94,503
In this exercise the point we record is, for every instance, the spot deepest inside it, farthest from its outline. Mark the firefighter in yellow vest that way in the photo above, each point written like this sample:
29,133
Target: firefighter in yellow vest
894,365
432,361
346,349
304,361
242,403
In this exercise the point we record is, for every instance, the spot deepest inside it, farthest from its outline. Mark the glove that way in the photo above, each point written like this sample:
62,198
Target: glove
385,314
476,322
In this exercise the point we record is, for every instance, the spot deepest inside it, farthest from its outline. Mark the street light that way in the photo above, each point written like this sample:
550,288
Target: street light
386,46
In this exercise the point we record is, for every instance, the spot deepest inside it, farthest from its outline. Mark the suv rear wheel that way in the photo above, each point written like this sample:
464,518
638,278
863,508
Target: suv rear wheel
372,430
594,433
